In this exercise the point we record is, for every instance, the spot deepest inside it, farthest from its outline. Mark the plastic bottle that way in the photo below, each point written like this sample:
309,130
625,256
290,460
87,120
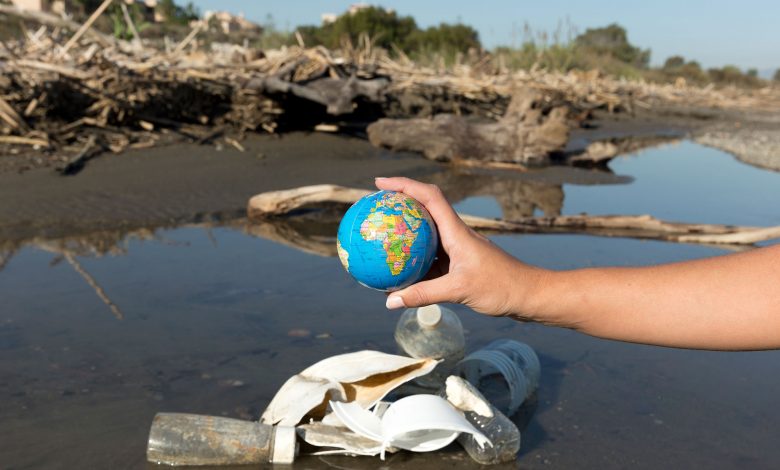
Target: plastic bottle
501,431
432,331
187,439
505,371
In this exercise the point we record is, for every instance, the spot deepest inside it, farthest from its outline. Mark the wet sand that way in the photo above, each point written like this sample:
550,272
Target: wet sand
188,183
185,183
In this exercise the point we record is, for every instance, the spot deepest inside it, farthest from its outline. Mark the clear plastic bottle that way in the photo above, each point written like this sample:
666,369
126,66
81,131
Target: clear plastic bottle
188,439
432,331
505,371
501,431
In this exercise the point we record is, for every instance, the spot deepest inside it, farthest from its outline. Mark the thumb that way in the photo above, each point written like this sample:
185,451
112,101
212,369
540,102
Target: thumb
421,294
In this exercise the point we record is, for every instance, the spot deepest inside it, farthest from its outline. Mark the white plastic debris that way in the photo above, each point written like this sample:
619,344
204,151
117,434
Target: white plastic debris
419,423
363,377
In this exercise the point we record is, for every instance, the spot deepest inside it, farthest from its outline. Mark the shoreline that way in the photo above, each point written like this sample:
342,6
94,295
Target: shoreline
185,183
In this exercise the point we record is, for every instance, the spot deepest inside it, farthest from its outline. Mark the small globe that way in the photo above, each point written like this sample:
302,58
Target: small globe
387,241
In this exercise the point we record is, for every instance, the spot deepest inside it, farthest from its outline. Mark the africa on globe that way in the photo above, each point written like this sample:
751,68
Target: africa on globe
387,241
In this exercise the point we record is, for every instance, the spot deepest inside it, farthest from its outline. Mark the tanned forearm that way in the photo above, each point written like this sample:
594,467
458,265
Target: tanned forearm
728,302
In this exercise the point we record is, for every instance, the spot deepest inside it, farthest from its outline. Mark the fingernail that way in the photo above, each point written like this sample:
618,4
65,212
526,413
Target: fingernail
394,302
376,178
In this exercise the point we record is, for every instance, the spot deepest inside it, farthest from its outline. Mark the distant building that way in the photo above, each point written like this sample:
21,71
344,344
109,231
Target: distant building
53,6
328,18
148,8
228,23
356,7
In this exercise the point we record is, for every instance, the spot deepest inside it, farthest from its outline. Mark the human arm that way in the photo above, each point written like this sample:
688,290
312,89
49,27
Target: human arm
727,302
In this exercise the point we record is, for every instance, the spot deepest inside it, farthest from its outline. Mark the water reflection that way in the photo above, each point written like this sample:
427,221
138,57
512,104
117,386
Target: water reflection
518,194
521,194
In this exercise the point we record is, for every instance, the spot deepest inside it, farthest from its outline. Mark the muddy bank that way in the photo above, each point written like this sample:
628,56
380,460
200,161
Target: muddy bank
754,139
182,183
189,183
751,136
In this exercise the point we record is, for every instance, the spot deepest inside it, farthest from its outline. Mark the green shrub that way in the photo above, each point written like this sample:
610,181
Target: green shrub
384,27
612,41
676,67
176,14
732,75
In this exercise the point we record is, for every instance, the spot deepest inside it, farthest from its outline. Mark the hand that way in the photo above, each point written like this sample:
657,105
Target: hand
471,270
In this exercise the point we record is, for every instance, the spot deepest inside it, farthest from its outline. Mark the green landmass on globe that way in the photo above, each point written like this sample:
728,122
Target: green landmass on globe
397,232
387,240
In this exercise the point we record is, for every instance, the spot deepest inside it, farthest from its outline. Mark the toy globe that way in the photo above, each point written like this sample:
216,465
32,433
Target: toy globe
387,241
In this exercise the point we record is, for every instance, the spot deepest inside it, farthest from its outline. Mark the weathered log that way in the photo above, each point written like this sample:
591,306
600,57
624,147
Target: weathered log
527,134
276,203
337,95
279,203
14,139
76,163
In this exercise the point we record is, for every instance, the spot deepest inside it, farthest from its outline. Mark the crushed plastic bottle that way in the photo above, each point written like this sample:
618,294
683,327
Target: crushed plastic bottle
432,332
188,439
501,431
505,371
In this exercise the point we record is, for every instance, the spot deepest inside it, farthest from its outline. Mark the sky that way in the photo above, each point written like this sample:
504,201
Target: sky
745,33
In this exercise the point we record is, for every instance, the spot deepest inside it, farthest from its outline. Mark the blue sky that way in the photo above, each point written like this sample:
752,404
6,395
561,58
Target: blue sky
745,33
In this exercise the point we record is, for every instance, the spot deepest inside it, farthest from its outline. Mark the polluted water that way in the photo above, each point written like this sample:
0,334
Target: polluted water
362,416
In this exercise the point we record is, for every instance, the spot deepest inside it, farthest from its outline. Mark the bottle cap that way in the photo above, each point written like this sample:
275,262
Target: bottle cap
430,316
285,446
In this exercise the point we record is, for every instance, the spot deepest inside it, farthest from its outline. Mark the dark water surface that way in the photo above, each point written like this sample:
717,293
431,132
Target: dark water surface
214,321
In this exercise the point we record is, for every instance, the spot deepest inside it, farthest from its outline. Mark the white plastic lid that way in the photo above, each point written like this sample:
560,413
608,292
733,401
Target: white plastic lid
285,446
430,316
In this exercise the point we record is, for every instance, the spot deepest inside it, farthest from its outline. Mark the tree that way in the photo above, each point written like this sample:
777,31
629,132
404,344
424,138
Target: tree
776,77
445,38
612,40
387,29
674,62
384,27
175,14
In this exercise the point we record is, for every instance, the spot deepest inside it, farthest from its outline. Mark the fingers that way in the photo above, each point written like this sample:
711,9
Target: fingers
447,221
421,294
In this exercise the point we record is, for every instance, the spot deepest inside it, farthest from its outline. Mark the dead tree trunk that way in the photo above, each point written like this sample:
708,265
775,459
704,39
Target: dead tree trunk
527,134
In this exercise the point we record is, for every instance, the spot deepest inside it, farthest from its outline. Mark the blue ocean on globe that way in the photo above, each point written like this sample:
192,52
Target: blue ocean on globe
387,241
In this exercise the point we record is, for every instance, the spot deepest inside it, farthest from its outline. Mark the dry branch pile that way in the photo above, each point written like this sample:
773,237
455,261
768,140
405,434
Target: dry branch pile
65,83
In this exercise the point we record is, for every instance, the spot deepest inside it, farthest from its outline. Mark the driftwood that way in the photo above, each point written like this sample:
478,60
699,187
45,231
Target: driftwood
83,29
276,204
99,85
76,163
527,134
290,200
337,95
